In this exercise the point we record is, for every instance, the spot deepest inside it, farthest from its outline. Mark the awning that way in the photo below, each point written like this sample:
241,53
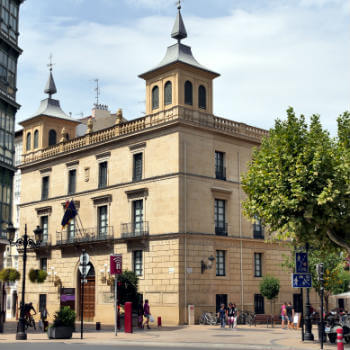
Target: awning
342,295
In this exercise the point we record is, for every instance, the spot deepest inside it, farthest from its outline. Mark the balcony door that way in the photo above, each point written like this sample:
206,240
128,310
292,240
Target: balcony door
138,216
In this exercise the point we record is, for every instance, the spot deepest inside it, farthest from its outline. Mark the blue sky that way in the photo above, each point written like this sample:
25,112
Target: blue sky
270,54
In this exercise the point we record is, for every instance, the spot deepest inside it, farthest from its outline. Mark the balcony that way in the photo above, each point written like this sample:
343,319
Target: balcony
85,236
45,243
220,173
135,229
221,229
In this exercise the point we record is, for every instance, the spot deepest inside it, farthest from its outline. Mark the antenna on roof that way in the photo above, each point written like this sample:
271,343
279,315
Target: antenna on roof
50,64
97,89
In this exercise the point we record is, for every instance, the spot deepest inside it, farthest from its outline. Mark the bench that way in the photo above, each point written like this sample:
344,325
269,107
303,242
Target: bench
261,318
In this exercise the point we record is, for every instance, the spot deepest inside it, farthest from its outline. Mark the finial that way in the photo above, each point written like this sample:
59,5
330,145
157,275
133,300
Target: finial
119,116
97,89
179,30
50,88
50,65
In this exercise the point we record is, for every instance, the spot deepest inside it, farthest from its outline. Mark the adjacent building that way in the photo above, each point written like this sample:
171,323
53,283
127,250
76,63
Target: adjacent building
163,190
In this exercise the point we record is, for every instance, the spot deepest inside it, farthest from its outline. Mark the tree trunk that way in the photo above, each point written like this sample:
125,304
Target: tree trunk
326,296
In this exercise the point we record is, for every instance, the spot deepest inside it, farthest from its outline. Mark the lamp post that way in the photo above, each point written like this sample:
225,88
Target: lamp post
308,325
23,241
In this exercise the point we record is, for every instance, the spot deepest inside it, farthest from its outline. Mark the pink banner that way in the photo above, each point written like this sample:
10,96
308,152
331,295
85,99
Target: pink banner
116,262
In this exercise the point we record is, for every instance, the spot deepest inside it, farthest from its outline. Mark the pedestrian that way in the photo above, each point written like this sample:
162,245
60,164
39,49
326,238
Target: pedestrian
230,315
290,315
147,313
43,319
140,313
284,317
222,315
235,317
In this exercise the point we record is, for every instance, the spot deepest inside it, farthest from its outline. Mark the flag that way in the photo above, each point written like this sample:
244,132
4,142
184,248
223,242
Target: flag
69,214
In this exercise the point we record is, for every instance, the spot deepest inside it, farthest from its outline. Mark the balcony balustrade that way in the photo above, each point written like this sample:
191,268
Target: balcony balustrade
135,229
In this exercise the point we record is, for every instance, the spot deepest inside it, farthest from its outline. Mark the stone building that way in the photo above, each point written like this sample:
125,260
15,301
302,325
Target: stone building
163,190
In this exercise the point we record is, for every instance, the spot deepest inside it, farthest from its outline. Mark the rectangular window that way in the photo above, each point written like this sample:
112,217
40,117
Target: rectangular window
258,264
45,188
259,304
71,230
102,220
137,171
258,229
44,223
42,302
138,216
220,224
220,171
43,264
72,181
102,175
138,269
220,263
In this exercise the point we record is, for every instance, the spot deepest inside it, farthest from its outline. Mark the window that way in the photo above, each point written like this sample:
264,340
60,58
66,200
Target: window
71,181
155,97
44,223
138,215
36,139
138,262
137,171
102,220
202,97
43,264
259,304
9,16
220,224
71,230
42,302
168,98
188,93
29,141
52,137
102,175
220,263
45,188
258,229
258,264
220,171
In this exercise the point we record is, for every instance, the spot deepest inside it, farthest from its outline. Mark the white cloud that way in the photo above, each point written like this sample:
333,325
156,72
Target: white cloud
269,60
152,4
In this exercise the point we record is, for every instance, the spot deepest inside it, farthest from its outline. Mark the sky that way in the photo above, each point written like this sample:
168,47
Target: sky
271,54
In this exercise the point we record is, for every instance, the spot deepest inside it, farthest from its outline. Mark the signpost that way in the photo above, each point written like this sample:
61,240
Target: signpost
301,280
84,269
301,263
115,268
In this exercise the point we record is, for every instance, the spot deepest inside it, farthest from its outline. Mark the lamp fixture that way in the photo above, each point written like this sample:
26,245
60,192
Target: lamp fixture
208,265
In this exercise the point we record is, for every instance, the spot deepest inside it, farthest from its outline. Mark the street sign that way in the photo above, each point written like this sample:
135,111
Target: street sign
301,263
84,258
301,280
84,269
116,264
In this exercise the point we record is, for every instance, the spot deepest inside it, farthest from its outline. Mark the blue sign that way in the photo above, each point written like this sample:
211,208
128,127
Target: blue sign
301,263
301,280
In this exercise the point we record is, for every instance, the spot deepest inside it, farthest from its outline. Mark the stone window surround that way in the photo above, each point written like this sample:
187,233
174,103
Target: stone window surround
261,264
142,276
101,201
135,149
134,195
43,211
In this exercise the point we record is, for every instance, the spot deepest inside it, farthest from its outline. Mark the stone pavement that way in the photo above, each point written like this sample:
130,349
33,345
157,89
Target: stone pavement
195,336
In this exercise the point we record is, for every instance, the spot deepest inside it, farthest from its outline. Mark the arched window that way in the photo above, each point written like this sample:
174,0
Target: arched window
155,97
202,98
36,139
52,137
188,93
168,94
29,141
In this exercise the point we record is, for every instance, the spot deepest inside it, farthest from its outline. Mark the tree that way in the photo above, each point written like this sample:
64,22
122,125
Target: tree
127,284
269,288
298,182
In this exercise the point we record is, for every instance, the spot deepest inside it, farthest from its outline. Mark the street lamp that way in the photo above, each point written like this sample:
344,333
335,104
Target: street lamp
23,241
308,325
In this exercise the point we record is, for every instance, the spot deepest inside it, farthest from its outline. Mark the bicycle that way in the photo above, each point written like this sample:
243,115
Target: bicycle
208,318
246,317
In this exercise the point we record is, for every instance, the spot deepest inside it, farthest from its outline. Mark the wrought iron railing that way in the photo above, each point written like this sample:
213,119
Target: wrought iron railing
221,229
135,229
86,235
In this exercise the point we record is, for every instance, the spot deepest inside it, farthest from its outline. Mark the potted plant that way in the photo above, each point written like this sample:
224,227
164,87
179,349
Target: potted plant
9,275
37,276
63,324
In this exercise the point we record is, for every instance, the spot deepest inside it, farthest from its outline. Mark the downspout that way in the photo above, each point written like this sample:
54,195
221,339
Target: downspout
185,229
240,233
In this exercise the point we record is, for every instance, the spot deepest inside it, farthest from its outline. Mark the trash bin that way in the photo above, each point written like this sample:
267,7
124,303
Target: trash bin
98,326
319,332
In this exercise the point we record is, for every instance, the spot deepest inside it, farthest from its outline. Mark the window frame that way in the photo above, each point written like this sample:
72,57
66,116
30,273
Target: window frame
36,139
72,181
138,262
137,214
188,93
220,217
168,93
137,172
155,97
102,222
43,263
220,263
44,224
258,229
52,137
220,171
28,141
258,264
45,185
102,174
202,97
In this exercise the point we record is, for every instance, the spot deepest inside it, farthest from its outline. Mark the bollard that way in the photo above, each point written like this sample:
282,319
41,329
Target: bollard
340,343
98,326
159,321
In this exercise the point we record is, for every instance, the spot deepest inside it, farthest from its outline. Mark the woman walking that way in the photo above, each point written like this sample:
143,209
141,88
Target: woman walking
284,315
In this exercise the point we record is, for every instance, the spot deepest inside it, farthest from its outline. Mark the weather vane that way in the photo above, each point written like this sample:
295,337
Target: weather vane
50,65
97,89
179,5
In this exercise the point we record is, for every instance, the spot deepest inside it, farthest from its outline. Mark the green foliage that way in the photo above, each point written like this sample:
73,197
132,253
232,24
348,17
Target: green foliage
64,318
37,276
127,284
9,275
269,287
298,182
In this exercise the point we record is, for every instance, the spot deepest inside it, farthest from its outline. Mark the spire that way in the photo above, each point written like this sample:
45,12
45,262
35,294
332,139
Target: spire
179,30
50,87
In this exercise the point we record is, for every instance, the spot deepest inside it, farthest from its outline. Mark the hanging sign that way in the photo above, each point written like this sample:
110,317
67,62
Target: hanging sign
116,263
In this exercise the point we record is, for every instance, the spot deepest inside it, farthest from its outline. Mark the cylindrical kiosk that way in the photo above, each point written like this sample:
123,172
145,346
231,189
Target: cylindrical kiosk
128,317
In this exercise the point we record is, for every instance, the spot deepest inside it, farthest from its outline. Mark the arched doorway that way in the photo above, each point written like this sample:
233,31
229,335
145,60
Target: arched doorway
89,295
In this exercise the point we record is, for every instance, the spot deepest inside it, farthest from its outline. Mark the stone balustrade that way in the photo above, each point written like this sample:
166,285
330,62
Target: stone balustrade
177,113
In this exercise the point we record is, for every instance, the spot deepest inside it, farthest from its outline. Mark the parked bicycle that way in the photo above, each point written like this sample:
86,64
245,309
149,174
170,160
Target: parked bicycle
246,317
208,318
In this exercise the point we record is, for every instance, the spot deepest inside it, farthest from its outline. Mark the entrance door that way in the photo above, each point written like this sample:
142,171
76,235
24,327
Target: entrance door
220,299
297,302
89,295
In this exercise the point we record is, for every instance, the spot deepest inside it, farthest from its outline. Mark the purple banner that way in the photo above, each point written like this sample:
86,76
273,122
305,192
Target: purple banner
65,298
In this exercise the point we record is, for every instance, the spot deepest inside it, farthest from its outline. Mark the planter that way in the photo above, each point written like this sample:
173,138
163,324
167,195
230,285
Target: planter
60,332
